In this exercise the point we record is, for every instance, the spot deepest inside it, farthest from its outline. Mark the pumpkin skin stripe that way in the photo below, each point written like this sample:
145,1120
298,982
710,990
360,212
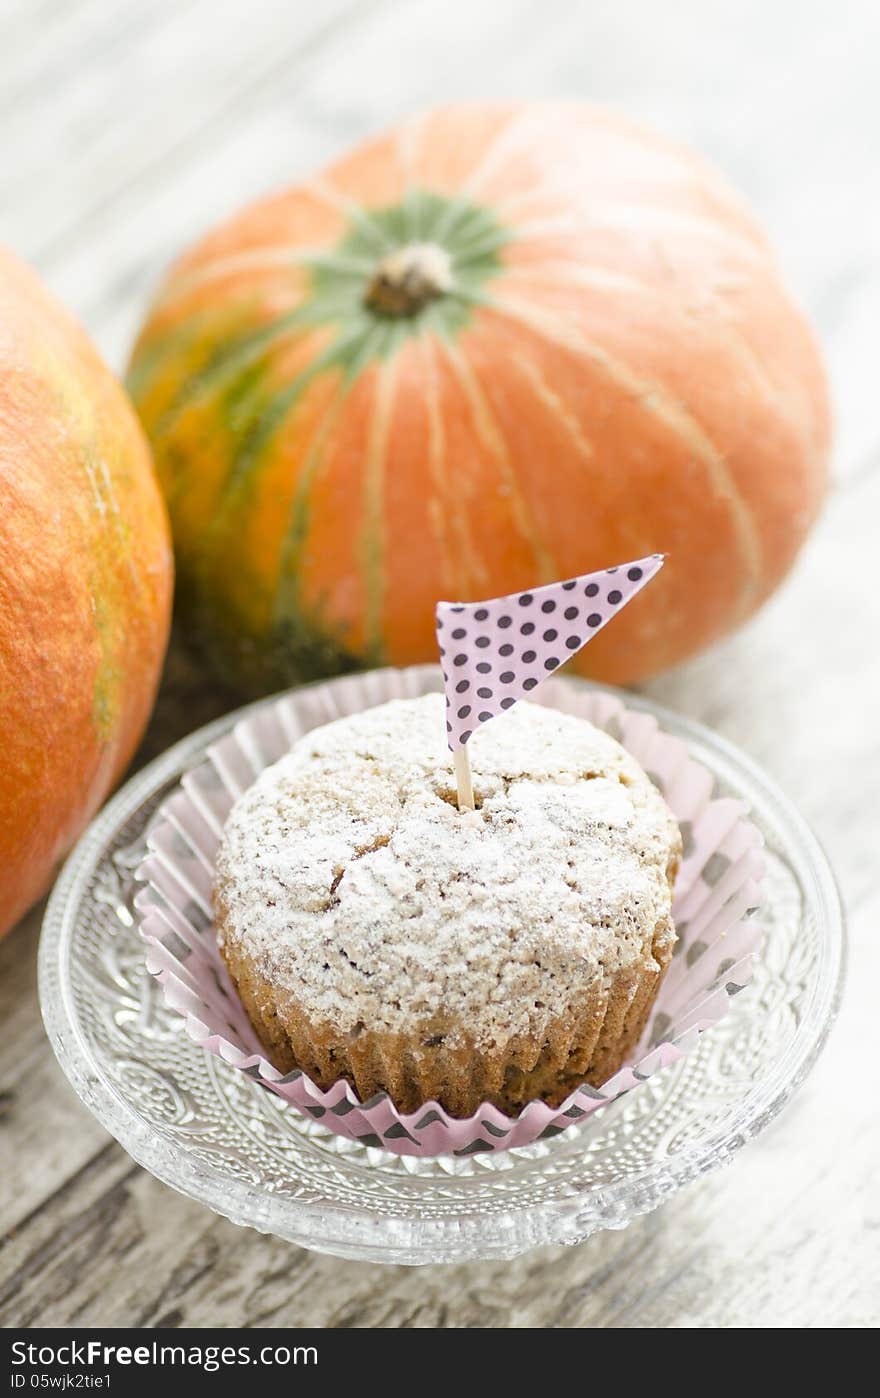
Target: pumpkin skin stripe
501,149
468,573
331,563
441,515
599,151
480,247
557,279
445,165
373,540
288,596
671,413
267,421
298,525
561,272
449,181
478,494
491,435
257,416
778,393
223,304
614,256
102,491
552,401
241,355
265,424
358,213
372,180
621,221
413,557
301,221
551,213
231,579
616,508
460,210
259,260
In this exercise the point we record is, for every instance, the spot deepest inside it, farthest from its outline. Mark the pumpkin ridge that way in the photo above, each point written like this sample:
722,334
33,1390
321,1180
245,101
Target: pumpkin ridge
438,509
222,363
545,395
565,271
459,208
500,148
622,217
456,230
343,203
490,432
568,272
350,354
272,257
515,205
373,537
288,596
267,419
484,245
654,397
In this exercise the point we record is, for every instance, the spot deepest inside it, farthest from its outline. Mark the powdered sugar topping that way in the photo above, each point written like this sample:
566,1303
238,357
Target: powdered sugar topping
350,876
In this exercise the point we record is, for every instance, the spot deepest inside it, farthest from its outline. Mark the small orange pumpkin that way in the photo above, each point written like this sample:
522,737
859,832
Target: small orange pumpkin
497,346
85,584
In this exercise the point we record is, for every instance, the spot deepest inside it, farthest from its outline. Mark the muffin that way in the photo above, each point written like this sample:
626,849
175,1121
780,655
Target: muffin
376,933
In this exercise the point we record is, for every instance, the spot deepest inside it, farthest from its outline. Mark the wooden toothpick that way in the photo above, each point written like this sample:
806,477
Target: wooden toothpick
463,779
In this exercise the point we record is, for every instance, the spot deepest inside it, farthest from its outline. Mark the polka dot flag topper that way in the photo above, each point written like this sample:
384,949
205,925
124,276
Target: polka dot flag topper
495,652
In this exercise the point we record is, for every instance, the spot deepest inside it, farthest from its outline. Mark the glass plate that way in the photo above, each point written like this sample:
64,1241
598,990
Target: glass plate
211,1132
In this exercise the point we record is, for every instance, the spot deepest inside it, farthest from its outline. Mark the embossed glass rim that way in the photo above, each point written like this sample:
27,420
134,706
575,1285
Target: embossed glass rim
566,1217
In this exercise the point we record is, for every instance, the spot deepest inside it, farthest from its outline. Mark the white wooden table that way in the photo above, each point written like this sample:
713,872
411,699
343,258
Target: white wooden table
128,128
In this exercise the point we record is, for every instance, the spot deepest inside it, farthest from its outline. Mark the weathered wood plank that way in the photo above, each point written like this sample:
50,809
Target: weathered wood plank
150,107
737,1250
45,1135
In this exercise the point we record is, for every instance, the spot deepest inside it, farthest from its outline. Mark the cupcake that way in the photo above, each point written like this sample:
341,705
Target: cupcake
377,933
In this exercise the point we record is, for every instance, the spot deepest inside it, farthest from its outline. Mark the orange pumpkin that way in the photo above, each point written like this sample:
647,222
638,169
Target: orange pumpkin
497,346
85,584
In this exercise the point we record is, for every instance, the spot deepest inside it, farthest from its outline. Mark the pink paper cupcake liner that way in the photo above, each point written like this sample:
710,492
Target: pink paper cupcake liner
717,894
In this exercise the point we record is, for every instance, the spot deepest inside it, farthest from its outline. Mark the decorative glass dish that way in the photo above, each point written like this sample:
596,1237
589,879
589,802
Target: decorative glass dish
211,1132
